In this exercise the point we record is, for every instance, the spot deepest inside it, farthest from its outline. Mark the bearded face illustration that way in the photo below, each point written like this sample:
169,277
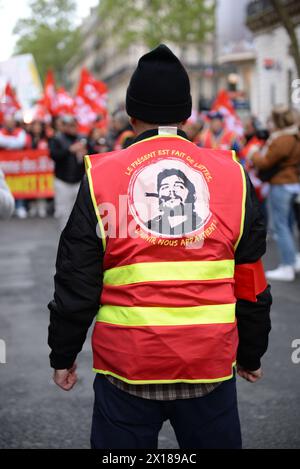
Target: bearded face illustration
176,199
169,198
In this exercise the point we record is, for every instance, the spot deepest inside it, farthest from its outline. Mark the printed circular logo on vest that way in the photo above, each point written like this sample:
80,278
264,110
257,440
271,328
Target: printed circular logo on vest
169,199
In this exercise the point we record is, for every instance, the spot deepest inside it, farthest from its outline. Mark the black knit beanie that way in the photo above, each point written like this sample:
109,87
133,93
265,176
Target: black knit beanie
159,89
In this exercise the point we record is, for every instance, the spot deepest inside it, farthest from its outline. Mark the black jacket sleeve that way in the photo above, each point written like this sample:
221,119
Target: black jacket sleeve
253,319
78,282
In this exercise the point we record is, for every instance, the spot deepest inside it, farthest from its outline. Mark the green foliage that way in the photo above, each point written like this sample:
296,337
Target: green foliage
49,34
181,22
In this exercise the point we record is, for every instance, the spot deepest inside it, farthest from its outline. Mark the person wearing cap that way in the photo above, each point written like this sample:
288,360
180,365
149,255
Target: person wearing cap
175,310
67,150
217,136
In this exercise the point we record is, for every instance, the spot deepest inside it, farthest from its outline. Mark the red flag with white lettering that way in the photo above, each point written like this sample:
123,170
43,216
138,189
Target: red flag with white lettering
93,91
84,114
64,103
90,102
50,92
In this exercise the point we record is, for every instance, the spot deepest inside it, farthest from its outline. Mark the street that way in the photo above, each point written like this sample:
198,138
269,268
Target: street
34,413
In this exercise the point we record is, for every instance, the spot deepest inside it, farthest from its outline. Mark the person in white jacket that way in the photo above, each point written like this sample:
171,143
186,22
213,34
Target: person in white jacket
13,137
7,202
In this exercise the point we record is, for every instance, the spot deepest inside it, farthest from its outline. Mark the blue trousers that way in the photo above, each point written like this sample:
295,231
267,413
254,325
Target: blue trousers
282,212
121,420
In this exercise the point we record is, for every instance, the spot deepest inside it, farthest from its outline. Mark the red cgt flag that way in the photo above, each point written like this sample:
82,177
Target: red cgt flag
9,103
49,99
85,115
56,101
90,102
64,103
93,91
40,111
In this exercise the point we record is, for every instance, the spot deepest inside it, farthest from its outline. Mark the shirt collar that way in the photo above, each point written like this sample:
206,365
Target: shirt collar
153,132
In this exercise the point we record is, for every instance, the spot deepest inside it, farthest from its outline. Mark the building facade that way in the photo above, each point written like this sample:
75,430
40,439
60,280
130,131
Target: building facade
114,66
274,65
236,53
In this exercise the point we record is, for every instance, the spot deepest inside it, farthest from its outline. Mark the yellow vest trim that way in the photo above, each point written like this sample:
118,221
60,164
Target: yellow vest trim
234,157
166,316
88,166
169,271
164,381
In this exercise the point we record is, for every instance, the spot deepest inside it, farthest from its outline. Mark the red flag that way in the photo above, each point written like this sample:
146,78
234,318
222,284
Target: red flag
40,111
93,91
49,92
64,103
90,101
9,103
84,114
223,104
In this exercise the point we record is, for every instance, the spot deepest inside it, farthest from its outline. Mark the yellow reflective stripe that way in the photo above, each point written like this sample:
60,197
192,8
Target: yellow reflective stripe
164,381
243,208
88,167
166,316
234,157
169,271
159,136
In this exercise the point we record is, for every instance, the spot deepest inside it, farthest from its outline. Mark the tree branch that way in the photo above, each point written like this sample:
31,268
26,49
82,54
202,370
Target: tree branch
289,26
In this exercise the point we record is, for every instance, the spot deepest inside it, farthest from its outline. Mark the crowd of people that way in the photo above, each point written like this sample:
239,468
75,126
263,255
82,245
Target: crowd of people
270,156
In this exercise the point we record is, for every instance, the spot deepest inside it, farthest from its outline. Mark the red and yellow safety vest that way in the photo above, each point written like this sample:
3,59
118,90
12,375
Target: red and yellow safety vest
170,216
224,141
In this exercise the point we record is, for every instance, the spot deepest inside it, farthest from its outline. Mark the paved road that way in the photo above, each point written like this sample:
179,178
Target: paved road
34,413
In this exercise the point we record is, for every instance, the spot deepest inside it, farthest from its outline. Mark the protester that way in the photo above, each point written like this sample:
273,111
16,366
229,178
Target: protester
255,138
7,203
166,335
37,131
67,149
13,137
280,164
217,136
97,141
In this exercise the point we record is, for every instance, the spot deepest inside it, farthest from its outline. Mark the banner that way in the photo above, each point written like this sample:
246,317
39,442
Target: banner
28,173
